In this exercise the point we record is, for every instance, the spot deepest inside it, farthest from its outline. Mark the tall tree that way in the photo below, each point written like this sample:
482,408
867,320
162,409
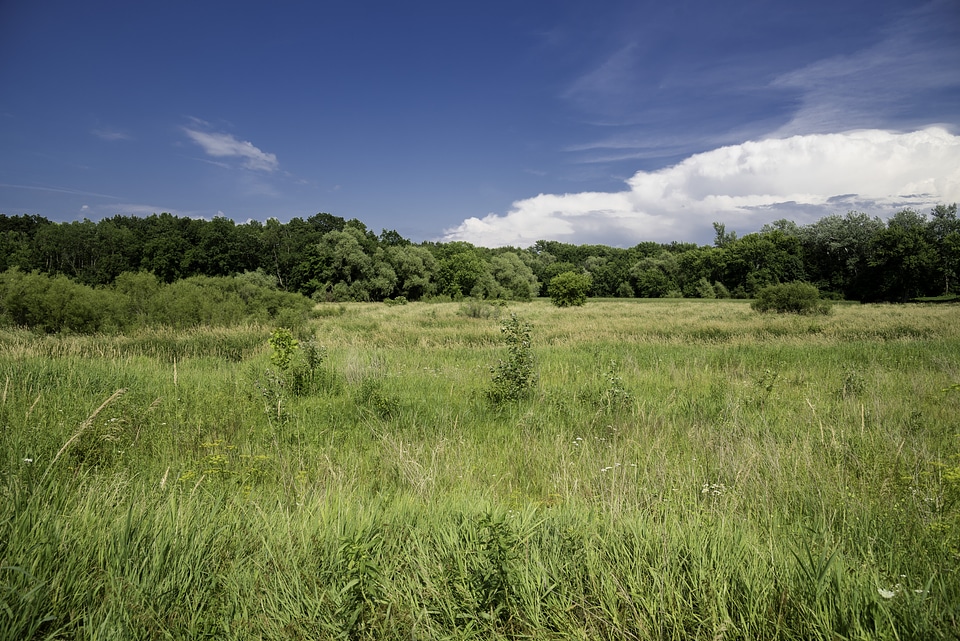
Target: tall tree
903,260
944,229
836,252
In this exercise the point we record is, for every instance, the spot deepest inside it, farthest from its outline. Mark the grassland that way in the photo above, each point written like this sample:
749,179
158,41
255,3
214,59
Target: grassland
685,469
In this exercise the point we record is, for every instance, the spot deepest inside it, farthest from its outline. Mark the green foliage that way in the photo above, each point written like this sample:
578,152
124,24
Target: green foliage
58,304
757,260
284,347
705,289
514,378
569,289
903,261
356,586
463,273
655,276
476,308
489,576
793,298
371,394
299,372
308,374
614,396
515,278
854,256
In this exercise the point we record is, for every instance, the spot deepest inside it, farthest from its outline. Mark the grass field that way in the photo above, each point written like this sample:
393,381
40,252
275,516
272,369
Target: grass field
684,469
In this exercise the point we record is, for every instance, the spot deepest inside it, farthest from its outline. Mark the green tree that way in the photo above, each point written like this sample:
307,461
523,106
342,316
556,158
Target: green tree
836,252
218,250
705,289
339,259
514,276
723,238
944,228
569,289
383,279
167,241
903,260
757,260
655,276
464,273
414,268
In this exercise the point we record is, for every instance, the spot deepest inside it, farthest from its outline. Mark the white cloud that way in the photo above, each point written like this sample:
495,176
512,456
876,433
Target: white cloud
801,178
220,145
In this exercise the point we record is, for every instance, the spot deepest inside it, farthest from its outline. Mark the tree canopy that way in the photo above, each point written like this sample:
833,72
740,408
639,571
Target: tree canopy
851,256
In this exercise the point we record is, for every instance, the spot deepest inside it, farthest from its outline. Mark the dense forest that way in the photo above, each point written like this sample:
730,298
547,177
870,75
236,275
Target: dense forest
328,258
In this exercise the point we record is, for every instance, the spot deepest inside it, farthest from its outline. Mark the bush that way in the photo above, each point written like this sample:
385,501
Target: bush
790,298
475,308
56,303
514,378
569,289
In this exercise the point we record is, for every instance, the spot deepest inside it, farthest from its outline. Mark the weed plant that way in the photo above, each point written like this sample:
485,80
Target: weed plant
682,469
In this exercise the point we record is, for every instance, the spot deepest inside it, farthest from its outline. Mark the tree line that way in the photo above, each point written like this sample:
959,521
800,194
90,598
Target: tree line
325,257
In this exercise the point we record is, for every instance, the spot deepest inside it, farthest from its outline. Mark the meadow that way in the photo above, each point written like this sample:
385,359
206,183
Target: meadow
682,469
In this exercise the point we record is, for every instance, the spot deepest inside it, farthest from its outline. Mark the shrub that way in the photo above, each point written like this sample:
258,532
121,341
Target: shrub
790,298
569,289
514,378
476,308
55,304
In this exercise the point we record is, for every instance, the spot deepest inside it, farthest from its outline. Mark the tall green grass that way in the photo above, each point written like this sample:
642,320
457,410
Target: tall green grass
684,469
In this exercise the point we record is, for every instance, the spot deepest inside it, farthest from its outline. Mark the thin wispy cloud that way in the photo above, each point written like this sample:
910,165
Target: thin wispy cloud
874,87
223,145
58,190
903,78
801,178
609,81
111,135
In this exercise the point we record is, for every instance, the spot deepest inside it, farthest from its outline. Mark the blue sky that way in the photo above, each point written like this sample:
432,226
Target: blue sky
495,122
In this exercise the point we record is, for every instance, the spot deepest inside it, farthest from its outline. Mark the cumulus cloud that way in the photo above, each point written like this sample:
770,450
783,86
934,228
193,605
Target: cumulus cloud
221,145
801,178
